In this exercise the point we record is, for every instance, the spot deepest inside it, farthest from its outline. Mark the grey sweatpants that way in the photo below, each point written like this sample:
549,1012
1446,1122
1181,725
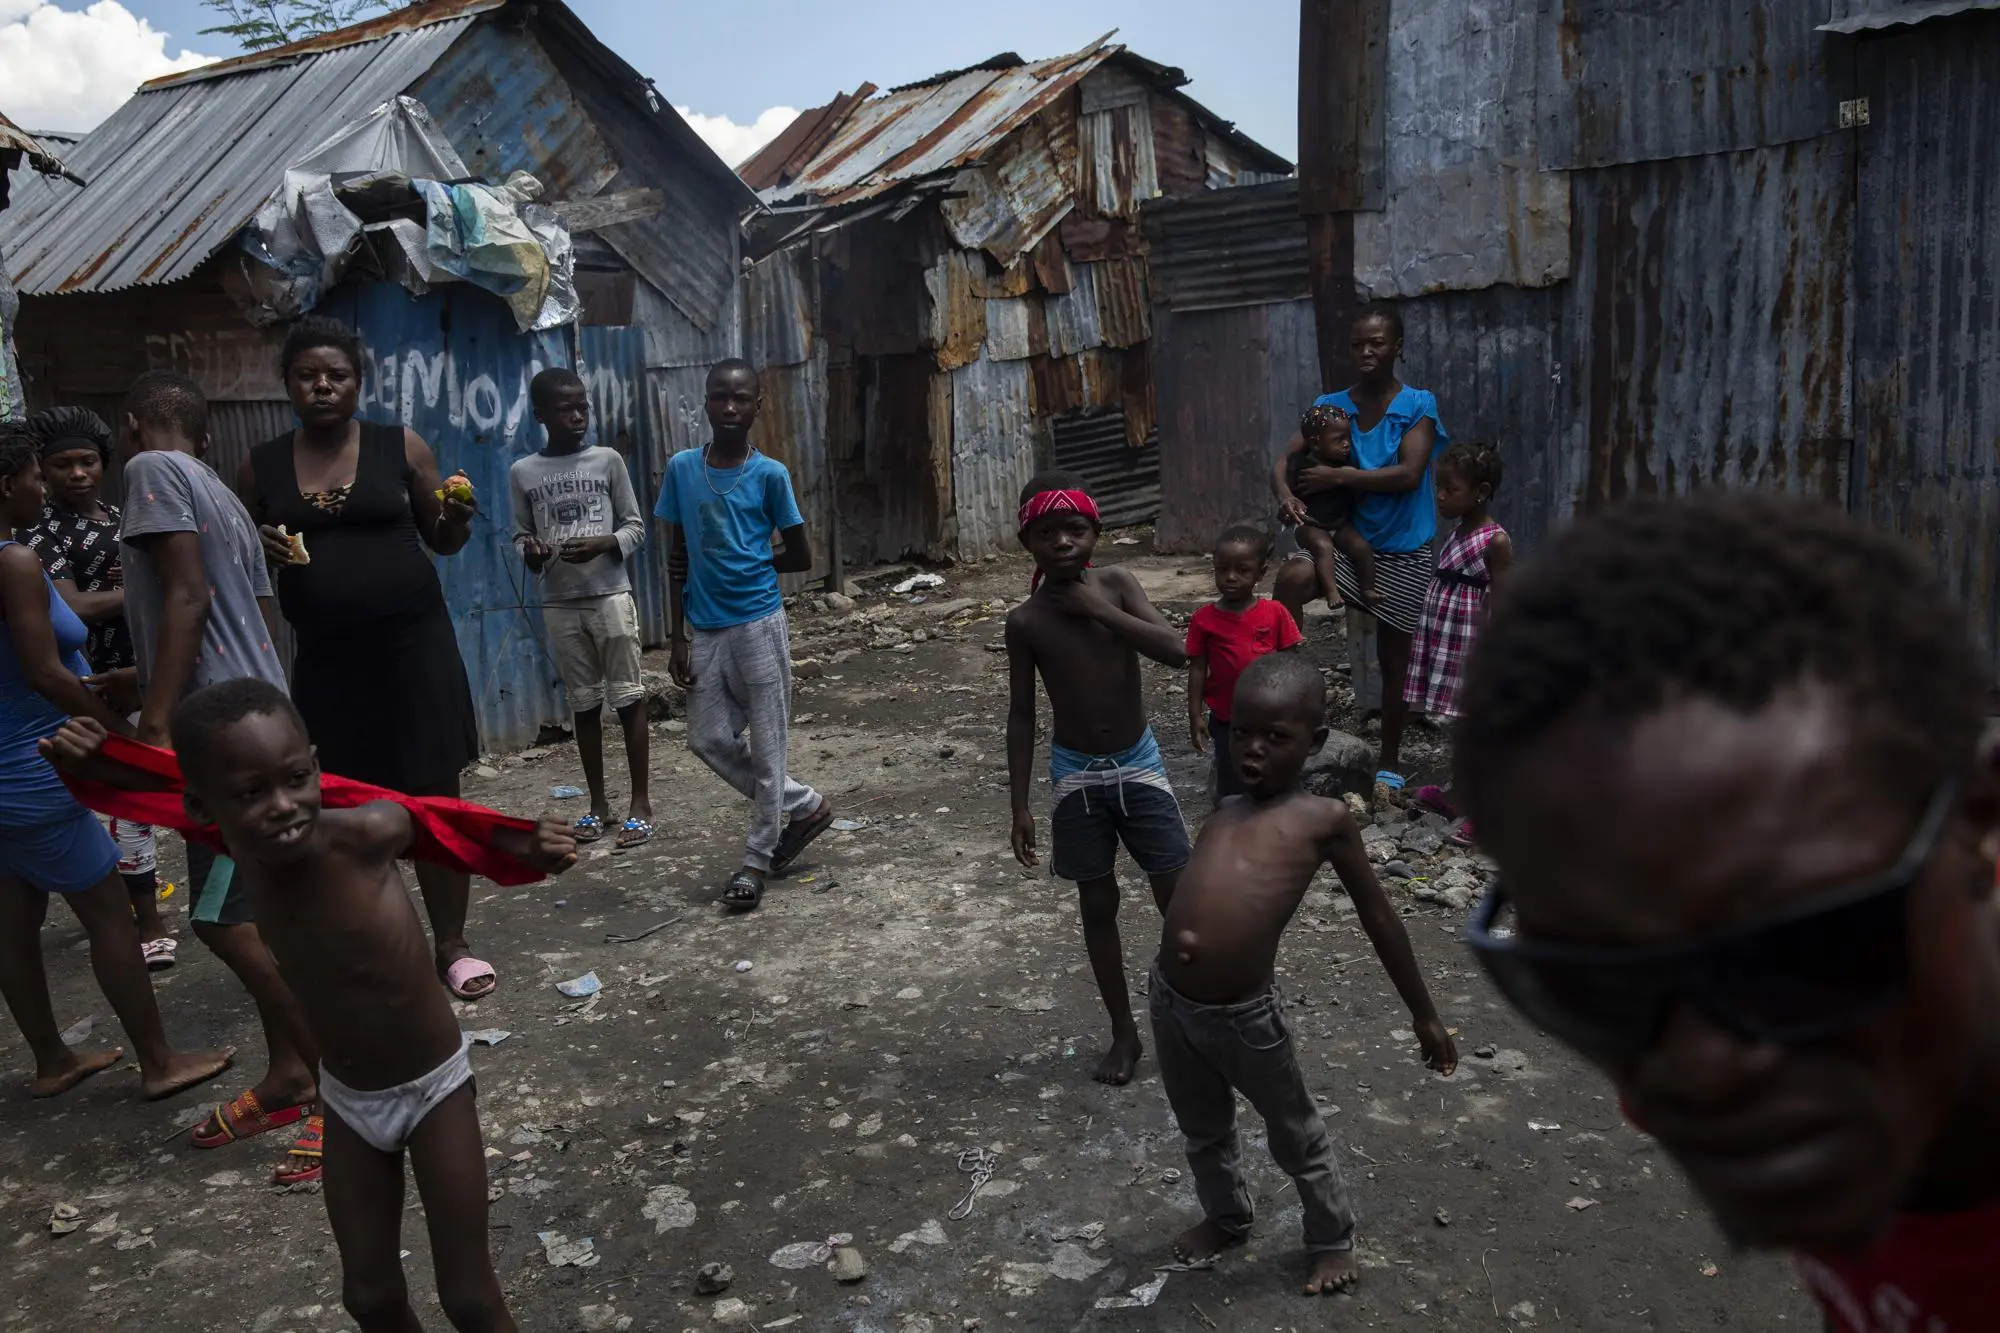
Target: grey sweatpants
743,678
1210,1052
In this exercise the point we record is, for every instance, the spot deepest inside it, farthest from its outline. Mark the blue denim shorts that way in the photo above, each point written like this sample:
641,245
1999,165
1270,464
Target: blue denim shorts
1088,825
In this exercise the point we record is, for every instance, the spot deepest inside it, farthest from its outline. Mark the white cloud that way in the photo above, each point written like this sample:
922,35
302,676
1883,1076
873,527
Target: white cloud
732,143
67,69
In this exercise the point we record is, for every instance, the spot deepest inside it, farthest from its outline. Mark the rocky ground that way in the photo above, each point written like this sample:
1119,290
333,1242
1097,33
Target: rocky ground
778,1121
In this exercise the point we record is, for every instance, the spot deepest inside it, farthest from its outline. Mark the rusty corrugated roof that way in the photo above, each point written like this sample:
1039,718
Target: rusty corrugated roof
421,14
927,131
40,156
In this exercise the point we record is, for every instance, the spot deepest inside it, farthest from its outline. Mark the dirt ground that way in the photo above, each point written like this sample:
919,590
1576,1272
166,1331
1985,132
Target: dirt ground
743,1090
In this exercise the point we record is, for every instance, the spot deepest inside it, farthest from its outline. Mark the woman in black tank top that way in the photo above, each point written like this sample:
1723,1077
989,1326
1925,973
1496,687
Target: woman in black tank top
377,675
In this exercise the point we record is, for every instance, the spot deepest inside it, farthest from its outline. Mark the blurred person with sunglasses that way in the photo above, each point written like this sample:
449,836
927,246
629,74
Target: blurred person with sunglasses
1727,754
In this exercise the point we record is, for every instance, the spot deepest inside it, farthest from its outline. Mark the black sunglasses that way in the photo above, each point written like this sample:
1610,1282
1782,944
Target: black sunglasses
1796,977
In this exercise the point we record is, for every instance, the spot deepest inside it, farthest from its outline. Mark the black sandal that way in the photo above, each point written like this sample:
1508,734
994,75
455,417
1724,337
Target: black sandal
799,835
743,893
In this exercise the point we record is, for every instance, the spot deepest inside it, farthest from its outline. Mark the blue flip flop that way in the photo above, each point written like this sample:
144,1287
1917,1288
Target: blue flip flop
588,829
633,833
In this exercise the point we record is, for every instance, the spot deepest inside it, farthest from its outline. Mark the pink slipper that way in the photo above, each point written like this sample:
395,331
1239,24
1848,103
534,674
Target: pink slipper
460,975
1433,797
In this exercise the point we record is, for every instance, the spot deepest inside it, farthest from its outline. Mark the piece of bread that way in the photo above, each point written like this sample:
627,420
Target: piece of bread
297,541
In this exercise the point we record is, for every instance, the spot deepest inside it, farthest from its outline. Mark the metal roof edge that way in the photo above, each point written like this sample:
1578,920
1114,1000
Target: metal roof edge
1920,11
411,18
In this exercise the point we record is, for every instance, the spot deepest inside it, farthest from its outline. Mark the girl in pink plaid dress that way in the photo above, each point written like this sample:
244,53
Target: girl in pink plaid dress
1473,559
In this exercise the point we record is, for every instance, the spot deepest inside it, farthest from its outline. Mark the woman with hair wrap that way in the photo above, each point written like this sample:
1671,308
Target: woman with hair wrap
77,541
377,674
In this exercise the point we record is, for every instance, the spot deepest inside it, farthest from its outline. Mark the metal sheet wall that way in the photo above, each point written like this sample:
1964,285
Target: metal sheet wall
624,416
1494,359
1124,481
792,429
1231,386
1622,82
1709,318
993,451
1927,328
1228,247
1466,204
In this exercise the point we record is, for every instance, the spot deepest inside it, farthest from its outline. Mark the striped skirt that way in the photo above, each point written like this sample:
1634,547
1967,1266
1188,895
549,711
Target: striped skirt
1403,577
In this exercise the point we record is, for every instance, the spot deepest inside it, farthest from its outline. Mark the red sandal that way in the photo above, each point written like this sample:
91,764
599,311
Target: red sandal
306,1159
244,1117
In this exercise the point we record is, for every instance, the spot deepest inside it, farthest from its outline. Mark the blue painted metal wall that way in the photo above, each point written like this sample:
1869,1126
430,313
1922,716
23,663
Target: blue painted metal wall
625,415
452,367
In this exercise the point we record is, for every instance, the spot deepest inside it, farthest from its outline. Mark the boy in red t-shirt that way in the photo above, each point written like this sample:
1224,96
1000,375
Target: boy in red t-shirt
1228,635
1727,753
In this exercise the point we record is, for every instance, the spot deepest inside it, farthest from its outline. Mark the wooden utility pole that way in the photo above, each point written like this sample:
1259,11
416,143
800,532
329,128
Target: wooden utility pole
1343,83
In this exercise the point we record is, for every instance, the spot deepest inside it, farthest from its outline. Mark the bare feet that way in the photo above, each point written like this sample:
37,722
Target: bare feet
184,1071
1203,1241
1121,1060
1373,596
1332,1271
55,1080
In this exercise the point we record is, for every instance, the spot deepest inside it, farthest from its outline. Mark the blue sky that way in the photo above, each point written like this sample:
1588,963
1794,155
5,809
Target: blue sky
738,58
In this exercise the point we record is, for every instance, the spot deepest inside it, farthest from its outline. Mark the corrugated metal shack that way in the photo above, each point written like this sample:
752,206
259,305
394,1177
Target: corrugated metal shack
18,148
128,275
950,288
1646,248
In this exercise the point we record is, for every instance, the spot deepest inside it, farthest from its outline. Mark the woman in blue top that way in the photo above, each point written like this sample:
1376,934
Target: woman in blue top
1395,431
49,843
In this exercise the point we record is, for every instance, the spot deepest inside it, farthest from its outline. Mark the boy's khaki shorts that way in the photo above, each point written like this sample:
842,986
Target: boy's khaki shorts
596,647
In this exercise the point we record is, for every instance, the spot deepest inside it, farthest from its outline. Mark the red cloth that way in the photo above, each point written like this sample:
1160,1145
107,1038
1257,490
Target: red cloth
1231,641
446,832
1933,1273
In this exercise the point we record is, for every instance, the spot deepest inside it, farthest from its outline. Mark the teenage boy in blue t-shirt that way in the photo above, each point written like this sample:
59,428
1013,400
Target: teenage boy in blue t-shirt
731,649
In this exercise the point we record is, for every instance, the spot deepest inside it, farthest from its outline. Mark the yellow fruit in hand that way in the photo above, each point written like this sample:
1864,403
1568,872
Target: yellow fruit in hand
457,487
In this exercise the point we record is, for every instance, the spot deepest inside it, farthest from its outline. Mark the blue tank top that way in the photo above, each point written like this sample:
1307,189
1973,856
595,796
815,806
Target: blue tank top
1403,521
30,790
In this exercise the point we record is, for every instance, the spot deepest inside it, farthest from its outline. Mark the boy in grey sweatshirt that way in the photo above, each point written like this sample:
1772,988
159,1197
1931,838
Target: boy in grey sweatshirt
577,521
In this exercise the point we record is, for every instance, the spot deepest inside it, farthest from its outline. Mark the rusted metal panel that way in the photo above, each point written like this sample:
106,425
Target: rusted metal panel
958,315
1106,306
792,429
777,309
993,283
1466,205
1927,326
1088,239
881,298
1231,384
1623,83
992,452
1015,329
542,132
1124,481
1494,359
1124,313
1117,167
932,128
1709,317
1008,204
1857,16
1245,246
1343,104
1180,150
780,160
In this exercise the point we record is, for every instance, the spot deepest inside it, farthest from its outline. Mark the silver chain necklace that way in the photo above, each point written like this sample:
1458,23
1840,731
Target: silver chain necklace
706,469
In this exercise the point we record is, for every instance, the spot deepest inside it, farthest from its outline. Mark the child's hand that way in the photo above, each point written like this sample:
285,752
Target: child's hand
1076,598
536,553
1024,837
75,748
1198,736
1438,1051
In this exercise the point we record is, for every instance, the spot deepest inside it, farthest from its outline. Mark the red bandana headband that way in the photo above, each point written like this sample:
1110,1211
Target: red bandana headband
1055,502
